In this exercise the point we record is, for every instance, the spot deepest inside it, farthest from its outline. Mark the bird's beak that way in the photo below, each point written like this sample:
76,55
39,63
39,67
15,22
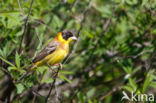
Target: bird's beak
73,38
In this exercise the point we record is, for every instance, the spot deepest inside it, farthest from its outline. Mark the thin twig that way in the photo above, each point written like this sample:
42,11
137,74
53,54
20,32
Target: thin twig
33,91
20,6
25,26
52,84
115,88
43,23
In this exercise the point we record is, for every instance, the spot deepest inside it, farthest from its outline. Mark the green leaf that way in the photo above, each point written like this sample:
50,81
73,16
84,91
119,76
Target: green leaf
128,88
131,2
144,2
17,60
7,61
6,50
153,76
57,22
71,1
128,70
66,72
88,34
1,53
81,97
152,84
136,69
133,84
44,75
20,88
13,19
42,69
48,80
11,68
147,81
89,101
66,94
91,92
145,85
65,78
104,10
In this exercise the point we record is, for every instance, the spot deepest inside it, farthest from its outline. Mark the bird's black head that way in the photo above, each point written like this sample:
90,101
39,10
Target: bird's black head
67,34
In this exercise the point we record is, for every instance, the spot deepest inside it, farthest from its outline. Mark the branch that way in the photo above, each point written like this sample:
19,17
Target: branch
32,90
25,26
20,6
52,84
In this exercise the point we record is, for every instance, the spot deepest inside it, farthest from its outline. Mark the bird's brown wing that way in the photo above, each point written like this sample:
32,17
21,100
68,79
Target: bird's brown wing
51,47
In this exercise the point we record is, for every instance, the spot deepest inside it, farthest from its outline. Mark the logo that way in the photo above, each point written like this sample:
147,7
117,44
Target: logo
137,97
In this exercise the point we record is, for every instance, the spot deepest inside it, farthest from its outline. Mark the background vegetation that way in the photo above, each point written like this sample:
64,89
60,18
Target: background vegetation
115,52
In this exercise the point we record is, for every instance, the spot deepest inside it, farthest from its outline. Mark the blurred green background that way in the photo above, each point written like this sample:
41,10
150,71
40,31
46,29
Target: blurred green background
115,52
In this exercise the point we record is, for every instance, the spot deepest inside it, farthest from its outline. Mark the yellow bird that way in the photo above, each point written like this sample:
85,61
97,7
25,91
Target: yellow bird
55,52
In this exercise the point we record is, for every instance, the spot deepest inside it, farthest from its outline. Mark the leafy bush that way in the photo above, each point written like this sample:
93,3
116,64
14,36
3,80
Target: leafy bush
115,51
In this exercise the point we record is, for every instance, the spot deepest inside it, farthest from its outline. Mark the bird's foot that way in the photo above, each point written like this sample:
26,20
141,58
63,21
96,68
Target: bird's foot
57,72
60,65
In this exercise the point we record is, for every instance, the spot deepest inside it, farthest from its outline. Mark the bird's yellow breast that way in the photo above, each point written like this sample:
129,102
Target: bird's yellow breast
55,57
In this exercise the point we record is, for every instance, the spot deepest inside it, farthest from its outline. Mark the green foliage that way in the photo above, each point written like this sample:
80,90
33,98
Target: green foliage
64,78
20,88
115,52
7,62
150,79
17,60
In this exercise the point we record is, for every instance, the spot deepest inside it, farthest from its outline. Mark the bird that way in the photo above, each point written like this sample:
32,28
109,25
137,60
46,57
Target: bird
55,51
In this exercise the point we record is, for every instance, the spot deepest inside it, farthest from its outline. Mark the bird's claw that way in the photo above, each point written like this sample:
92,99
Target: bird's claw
60,65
